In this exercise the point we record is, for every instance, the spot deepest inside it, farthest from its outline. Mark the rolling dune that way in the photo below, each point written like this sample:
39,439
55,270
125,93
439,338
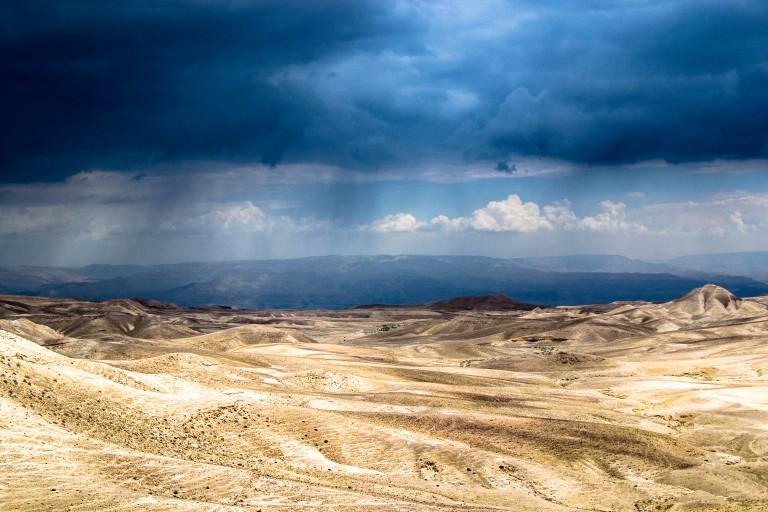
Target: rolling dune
124,405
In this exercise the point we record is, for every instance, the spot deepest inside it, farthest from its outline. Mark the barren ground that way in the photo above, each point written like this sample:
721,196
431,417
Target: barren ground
125,405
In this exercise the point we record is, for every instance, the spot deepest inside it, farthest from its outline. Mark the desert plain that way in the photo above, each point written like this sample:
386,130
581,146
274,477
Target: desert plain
474,404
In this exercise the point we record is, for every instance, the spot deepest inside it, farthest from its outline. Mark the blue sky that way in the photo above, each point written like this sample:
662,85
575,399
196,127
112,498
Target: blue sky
182,130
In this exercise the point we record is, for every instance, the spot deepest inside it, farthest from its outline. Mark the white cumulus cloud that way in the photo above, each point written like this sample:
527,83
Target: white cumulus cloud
451,225
513,215
397,223
510,214
613,217
238,217
561,215
738,221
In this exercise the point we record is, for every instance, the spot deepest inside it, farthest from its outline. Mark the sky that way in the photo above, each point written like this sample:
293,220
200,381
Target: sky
191,130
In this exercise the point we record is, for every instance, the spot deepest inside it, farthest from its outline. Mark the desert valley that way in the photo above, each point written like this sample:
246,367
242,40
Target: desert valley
465,404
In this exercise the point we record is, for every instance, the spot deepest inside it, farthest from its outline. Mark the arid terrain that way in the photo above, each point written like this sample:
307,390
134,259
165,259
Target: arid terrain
460,405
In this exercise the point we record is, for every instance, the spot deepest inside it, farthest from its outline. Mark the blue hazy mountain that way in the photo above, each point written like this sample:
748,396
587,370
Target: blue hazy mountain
600,263
342,281
750,264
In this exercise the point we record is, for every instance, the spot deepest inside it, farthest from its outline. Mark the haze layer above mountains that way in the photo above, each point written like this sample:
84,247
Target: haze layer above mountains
344,281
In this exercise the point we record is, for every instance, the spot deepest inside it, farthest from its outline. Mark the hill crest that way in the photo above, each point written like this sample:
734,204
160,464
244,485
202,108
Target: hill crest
498,302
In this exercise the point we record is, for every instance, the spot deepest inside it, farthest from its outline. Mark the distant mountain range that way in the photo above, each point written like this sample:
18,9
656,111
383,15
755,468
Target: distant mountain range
749,264
745,264
601,263
343,281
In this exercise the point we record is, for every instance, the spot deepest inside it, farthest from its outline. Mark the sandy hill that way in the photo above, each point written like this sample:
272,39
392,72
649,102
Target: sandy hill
242,336
709,300
705,305
633,407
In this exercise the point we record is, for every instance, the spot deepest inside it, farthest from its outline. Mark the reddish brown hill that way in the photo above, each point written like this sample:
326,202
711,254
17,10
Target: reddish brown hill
482,303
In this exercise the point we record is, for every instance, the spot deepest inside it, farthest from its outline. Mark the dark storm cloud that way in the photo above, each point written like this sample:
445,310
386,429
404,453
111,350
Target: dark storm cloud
95,84
675,81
